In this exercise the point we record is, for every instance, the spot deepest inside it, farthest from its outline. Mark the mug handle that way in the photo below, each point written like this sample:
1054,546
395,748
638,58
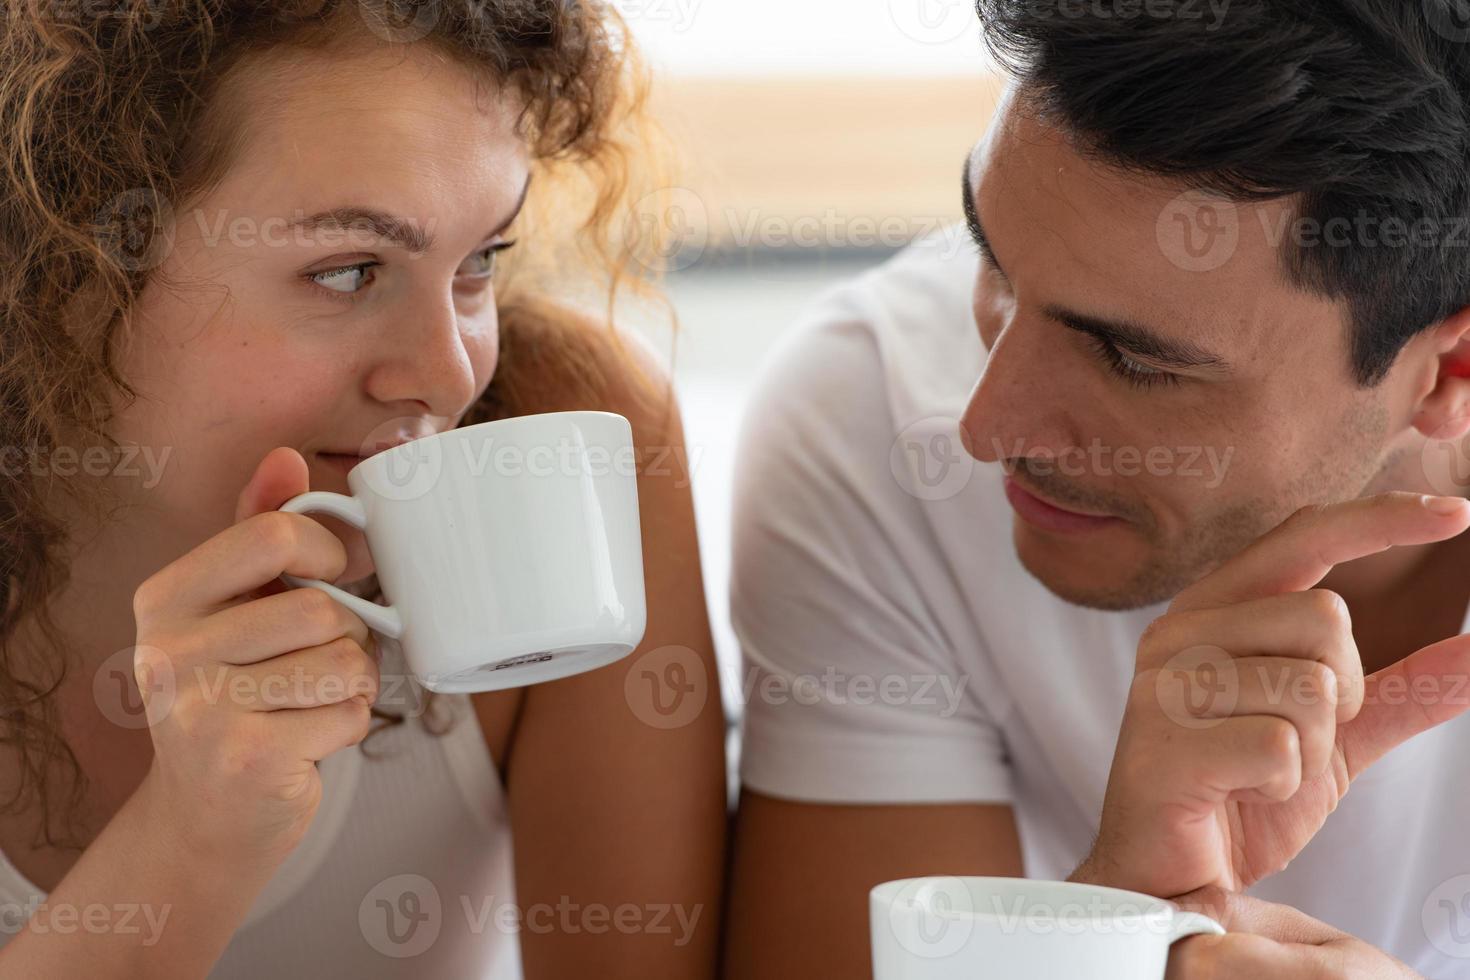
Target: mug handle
1192,924
381,619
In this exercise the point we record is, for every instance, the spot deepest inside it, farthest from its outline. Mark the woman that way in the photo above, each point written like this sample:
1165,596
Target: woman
245,245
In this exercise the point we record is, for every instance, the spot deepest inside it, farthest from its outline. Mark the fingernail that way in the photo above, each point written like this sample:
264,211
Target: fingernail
1444,505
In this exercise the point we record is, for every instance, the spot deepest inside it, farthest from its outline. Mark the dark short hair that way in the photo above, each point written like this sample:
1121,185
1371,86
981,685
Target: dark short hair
1361,107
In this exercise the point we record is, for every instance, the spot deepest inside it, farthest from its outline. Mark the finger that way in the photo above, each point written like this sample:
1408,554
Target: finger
1301,550
318,732
245,557
1241,954
1206,957
1313,625
1246,914
268,627
1300,692
328,674
281,474
1258,754
1425,689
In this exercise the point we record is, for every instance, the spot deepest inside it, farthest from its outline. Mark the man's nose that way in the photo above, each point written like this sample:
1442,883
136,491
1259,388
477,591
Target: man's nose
1015,409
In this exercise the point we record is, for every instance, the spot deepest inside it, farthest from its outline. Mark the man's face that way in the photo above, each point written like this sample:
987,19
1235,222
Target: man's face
1188,397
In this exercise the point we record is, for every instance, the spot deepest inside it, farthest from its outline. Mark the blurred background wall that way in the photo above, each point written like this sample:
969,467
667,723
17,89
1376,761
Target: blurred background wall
819,137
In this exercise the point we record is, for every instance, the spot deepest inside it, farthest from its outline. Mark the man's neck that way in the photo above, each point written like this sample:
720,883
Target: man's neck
1404,598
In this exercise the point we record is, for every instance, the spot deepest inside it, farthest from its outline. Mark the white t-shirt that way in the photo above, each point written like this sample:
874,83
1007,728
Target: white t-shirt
897,651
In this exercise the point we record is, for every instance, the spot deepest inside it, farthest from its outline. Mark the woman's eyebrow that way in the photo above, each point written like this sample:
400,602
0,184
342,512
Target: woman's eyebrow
403,232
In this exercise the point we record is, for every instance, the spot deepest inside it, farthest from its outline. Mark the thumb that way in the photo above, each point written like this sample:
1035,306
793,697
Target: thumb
1425,689
281,475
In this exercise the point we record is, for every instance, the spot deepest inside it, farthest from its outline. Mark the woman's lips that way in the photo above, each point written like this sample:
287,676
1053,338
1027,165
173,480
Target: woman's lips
1049,517
341,461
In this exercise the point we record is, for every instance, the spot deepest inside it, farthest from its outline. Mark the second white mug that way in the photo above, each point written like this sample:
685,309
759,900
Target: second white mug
968,928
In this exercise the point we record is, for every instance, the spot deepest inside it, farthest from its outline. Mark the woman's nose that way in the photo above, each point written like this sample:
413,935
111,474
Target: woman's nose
425,357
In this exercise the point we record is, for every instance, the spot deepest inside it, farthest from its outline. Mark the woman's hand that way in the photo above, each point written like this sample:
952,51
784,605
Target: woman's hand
248,684
1276,941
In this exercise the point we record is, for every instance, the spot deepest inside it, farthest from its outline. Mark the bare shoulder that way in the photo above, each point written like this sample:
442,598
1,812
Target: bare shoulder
556,358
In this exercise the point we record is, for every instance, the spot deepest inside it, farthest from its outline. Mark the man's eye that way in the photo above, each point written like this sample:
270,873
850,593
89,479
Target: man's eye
1131,371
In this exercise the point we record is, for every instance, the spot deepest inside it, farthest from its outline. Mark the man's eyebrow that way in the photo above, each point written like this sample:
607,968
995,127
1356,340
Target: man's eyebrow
1134,338
972,216
1126,335
405,234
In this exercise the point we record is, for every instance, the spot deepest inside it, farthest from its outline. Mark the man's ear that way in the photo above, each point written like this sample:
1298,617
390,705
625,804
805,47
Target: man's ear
1444,401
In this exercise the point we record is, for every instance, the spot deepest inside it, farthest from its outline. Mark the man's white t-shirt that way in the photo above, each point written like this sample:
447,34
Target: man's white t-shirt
896,650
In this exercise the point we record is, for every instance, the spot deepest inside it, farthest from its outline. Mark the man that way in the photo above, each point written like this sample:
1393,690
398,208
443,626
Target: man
1202,565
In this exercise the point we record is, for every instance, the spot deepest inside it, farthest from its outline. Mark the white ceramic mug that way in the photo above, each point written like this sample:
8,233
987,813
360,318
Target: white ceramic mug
944,928
510,551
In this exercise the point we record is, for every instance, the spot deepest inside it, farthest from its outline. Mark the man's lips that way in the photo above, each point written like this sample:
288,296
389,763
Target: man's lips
1049,517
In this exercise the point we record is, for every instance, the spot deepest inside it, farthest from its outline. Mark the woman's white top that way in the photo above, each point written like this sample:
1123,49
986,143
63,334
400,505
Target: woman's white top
405,872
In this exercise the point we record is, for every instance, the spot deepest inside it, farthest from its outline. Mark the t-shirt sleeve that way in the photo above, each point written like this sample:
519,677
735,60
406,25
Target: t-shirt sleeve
847,616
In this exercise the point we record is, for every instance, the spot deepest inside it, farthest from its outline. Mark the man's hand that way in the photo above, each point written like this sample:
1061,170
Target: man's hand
1275,941
1225,789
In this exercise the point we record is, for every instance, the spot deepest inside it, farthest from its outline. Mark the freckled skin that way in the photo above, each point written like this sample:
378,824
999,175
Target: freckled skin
240,355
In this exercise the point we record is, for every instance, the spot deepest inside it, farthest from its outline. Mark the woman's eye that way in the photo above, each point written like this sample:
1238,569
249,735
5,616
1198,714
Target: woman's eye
482,264
345,282
348,282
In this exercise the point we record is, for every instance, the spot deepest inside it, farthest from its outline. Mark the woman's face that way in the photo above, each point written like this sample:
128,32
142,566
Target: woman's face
283,327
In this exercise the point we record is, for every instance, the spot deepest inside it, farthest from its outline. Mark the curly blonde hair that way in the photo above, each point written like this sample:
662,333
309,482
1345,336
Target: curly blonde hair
115,119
